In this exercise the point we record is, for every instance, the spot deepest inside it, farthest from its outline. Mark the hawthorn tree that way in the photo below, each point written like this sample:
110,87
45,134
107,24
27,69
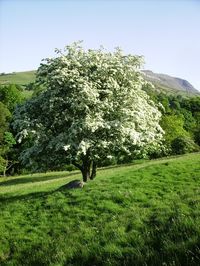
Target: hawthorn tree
92,106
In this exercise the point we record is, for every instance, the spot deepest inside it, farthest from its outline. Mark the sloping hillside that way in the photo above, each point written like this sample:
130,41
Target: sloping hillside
169,83
144,214
20,78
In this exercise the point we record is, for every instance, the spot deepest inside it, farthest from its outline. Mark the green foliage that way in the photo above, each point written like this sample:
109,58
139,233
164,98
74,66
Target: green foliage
180,120
69,167
145,214
192,104
197,136
9,140
5,116
2,163
6,145
165,102
34,89
189,120
10,95
173,127
182,145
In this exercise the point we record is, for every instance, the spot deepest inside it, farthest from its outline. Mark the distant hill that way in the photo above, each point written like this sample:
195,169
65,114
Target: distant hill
169,84
20,78
162,82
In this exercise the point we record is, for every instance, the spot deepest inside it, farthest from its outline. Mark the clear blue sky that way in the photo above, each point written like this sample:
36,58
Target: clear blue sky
166,32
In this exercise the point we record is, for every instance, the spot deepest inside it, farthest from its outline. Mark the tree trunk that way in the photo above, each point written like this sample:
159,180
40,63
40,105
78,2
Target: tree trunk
5,168
4,172
85,175
85,168
94,170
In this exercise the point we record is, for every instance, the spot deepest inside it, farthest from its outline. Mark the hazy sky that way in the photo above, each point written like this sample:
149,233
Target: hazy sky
166,32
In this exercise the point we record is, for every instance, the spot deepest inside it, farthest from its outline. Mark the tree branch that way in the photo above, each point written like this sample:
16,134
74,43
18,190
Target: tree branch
77,165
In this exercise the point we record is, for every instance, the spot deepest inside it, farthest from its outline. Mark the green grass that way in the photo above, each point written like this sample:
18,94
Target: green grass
143,214
20,78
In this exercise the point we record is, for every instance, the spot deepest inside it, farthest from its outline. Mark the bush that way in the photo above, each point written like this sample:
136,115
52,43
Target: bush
197,136
69,167
2,164
159,152
182,145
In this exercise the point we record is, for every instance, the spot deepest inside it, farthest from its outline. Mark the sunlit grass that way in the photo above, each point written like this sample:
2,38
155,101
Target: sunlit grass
20,78
143,214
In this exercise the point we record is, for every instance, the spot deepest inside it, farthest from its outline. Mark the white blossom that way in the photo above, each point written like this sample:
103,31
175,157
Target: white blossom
66,147
93,103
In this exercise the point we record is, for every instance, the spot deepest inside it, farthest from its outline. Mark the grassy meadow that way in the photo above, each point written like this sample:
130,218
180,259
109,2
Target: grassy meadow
140,214
20,78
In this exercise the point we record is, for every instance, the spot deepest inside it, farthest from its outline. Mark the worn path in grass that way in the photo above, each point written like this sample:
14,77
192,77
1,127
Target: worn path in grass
25,184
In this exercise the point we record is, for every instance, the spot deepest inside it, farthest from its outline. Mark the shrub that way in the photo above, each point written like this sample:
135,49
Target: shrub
182,145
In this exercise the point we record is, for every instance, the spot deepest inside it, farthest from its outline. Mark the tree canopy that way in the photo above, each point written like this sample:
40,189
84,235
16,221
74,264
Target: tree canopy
92,107
10,96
